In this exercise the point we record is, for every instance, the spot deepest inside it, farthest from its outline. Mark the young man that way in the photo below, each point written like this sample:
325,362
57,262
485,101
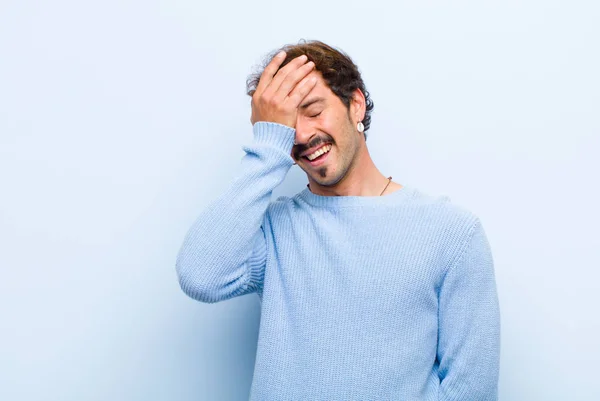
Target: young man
370,290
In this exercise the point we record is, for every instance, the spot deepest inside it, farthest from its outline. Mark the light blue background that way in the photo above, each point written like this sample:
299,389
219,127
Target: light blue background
121,120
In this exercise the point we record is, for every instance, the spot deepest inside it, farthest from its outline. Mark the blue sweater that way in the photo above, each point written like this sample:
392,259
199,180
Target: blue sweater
362,297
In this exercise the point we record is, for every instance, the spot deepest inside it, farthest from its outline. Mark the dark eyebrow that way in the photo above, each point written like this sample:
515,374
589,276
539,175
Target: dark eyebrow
312,101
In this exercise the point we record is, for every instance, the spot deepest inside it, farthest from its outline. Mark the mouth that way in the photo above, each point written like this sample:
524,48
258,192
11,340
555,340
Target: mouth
319,156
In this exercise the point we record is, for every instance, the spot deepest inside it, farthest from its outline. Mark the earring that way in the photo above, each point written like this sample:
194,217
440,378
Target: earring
360,127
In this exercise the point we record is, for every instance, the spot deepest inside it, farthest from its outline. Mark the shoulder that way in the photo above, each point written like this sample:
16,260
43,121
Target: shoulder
280,209
442,209
280,203
449,223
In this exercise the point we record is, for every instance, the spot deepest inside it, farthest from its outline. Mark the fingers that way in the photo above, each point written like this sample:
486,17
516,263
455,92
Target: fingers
270,70
271,101
282,74
301,90
292,79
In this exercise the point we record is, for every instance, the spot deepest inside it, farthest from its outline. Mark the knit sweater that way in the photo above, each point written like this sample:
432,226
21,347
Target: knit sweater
387,297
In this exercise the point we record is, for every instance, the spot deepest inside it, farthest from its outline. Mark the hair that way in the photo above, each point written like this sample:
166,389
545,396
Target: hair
338,70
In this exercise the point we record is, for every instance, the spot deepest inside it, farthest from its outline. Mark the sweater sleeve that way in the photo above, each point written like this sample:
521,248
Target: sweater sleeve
223,254
469,324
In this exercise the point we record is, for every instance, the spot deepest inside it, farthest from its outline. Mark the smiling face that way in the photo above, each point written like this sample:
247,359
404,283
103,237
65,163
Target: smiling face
326,133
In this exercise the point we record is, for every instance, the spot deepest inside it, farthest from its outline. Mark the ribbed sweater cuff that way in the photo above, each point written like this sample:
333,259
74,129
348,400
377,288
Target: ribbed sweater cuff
274,134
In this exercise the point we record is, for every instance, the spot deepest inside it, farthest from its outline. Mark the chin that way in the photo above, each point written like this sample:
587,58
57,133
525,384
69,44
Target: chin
328,181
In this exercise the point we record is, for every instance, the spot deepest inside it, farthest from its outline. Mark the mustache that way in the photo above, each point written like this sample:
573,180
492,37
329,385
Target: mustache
298,149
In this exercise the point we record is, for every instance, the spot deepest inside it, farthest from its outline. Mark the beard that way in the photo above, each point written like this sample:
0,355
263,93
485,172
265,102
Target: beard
342,157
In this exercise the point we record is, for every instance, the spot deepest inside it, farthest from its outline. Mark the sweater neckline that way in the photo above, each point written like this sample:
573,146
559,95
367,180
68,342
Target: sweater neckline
346,201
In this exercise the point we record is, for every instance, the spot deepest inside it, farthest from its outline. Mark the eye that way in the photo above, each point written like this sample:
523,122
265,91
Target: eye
315,115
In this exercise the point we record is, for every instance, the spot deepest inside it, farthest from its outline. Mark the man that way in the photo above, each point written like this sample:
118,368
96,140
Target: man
370,290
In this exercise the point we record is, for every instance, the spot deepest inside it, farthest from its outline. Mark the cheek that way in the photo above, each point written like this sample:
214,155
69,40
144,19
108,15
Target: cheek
333,124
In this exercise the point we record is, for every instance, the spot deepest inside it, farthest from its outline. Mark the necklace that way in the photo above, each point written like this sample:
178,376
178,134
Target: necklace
388,184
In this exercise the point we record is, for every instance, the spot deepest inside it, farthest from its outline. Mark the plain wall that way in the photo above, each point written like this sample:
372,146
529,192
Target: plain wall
121,120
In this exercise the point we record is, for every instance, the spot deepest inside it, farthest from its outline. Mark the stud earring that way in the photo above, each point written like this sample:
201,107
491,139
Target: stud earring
360,127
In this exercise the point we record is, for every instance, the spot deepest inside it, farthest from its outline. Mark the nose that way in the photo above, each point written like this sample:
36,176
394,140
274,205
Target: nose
304,130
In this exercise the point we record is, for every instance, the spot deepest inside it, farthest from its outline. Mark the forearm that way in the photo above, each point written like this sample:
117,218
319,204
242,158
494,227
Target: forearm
214,261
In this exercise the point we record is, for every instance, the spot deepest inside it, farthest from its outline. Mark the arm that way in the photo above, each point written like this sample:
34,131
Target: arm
469,324
224,252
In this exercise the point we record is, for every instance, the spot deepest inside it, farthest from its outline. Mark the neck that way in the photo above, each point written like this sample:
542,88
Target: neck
362,179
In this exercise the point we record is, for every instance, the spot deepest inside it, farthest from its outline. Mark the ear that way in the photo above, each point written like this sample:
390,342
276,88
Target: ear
357,106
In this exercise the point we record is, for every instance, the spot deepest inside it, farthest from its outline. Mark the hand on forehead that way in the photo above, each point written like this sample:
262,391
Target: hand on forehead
281,90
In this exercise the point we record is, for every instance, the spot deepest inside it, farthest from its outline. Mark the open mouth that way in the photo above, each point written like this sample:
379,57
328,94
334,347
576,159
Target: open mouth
318,156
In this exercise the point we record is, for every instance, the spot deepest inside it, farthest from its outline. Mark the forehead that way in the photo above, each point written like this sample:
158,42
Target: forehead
321,93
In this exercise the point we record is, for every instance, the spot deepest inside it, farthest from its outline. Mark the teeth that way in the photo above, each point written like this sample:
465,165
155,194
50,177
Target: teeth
319,152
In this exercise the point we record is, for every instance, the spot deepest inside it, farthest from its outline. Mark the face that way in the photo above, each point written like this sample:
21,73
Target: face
325,125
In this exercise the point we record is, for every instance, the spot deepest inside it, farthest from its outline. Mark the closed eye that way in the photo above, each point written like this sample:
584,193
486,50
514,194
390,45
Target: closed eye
315,115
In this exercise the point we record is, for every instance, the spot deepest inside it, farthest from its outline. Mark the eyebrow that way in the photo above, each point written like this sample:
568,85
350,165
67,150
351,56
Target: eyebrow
312,101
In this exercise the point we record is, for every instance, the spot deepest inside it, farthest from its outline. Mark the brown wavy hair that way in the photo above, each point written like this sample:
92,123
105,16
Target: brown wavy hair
338,70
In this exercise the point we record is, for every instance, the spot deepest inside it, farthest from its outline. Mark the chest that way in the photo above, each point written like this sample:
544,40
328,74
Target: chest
375,264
